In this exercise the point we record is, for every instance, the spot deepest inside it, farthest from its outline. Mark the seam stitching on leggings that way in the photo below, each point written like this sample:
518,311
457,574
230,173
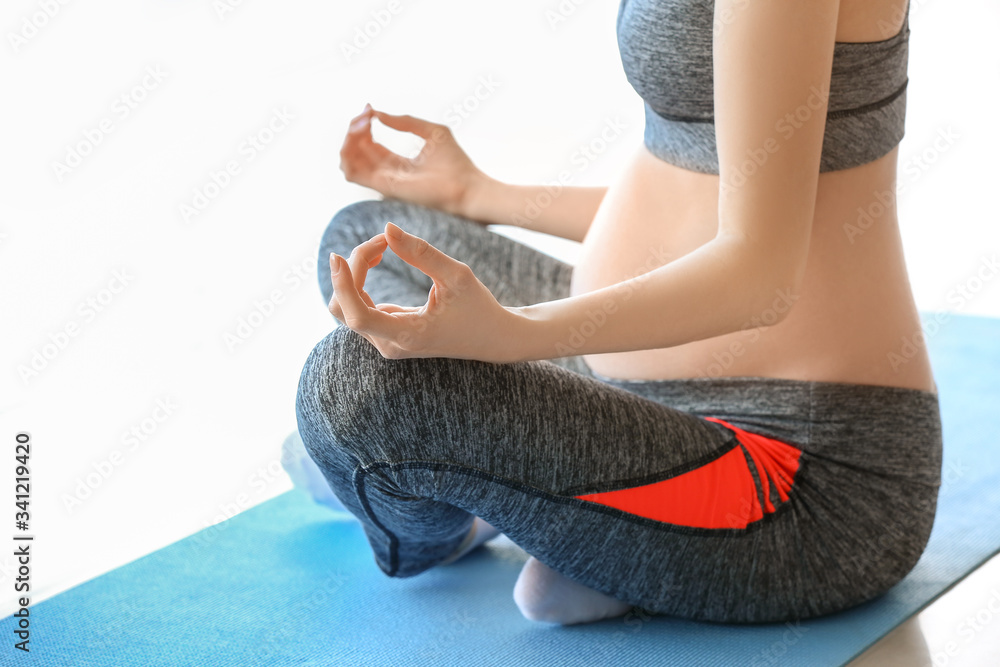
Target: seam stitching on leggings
754,475
568,500
359,488
812,414
660,476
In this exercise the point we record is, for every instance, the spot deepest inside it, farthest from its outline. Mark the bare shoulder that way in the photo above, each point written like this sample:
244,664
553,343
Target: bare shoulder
870,20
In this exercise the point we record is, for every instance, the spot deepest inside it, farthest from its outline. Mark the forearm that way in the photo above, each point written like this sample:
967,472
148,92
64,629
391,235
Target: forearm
719,288
560,210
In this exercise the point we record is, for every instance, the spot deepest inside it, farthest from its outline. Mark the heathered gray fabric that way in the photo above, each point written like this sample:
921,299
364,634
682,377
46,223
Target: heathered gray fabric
416,448
666,51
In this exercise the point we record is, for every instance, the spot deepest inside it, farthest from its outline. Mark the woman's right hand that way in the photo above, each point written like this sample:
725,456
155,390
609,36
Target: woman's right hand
441,176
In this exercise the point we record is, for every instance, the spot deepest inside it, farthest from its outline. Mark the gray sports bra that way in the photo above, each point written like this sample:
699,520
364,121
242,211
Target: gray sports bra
666,51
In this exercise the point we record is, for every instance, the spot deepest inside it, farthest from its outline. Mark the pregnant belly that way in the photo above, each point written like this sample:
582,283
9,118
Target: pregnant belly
853,310
652,214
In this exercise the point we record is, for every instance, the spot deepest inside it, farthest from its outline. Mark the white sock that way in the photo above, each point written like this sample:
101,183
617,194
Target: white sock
544,595
305,474
479,533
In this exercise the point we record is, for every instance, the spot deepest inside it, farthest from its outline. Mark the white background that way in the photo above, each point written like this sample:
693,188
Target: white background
185,284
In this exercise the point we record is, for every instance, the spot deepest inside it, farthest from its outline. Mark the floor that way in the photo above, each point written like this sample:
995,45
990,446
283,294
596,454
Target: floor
169,167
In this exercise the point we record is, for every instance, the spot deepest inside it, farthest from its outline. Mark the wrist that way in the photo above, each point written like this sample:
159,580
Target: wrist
527,334
473,202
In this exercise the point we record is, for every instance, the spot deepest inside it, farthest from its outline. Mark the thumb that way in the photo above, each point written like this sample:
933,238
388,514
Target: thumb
418,126
417,252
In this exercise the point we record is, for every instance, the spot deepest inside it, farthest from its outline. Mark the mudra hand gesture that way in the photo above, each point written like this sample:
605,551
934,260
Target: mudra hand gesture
461,319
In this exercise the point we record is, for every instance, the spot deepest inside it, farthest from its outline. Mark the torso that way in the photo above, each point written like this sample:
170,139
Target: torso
854,319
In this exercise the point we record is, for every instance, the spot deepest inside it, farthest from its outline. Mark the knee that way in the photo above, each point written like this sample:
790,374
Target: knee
323,401
343,392
350,226
358,222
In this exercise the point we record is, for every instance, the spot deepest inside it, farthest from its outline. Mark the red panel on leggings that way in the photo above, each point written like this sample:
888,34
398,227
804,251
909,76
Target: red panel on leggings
720,494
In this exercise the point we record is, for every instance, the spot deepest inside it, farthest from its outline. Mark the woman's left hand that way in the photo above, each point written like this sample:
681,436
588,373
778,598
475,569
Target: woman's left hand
461,319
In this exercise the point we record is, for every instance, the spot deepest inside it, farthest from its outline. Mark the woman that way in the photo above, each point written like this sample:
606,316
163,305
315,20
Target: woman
724,411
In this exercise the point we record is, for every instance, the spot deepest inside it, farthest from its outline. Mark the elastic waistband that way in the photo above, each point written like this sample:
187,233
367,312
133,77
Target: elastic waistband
860,424
714,385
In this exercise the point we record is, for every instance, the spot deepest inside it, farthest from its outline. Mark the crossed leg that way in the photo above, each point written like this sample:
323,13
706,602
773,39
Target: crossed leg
516,274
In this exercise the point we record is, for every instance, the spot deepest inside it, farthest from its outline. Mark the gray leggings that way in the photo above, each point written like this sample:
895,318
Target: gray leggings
800,499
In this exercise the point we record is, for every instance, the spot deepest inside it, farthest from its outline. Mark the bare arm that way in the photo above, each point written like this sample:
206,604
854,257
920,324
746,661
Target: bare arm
560,210
770,58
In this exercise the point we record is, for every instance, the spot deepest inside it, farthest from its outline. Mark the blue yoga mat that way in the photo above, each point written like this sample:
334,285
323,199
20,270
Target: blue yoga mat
289,582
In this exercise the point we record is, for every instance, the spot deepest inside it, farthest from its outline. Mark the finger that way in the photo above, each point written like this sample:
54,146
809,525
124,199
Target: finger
361,154
365,256
417,252
363,160
393,308
362,258
384,307
334,306
357,314
406,123
362,121
338,312
359,132
361,333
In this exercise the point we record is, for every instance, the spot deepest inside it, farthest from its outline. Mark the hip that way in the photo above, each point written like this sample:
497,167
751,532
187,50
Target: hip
859,508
